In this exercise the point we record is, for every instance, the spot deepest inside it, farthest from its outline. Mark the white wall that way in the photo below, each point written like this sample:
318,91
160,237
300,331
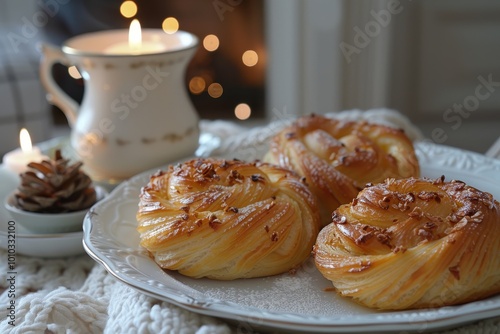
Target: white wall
421,60
304,75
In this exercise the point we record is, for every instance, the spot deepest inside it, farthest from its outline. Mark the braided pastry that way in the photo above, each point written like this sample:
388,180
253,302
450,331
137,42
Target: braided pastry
227,219
339,158
413,243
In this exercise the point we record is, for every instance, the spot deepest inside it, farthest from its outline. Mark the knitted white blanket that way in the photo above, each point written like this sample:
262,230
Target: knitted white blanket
76,295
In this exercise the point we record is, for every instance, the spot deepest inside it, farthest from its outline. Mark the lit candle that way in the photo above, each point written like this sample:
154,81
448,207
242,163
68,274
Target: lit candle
18,159
135,45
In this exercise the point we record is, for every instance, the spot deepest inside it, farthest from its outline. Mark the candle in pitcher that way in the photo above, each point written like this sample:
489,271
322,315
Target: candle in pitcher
121,71
135,45
18,159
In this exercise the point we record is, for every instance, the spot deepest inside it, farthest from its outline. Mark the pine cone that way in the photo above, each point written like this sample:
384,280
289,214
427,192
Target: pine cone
54,187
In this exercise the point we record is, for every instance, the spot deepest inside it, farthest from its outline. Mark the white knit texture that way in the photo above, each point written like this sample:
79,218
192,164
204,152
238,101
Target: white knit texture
76,295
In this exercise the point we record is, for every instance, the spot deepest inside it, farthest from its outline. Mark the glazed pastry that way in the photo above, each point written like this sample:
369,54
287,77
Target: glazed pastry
413,243
339,158
227,219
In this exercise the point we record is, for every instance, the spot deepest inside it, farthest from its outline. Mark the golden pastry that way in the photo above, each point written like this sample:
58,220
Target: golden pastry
413,243
227,219
339,158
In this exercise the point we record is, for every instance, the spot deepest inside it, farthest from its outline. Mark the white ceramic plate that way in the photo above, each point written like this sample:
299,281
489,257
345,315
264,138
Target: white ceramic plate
288,302
26,242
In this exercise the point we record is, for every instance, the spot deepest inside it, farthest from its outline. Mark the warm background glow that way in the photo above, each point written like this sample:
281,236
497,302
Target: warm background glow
250,58
211,42
128,9
170,25
215,90
227,68
197,85
242,111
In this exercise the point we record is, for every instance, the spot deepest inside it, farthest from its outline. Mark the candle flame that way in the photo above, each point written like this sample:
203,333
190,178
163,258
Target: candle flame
25,140
135,35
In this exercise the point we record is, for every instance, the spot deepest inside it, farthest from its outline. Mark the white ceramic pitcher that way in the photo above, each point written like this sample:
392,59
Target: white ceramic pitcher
135,113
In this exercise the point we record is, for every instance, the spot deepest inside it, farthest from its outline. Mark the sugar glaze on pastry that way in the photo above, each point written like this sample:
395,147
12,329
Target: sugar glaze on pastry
413,243
338,158
227,219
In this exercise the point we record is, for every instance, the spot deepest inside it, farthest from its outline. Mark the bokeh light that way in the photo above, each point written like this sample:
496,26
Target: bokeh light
170,25
197,85
250,58
128,9
211,42
242,111
215,90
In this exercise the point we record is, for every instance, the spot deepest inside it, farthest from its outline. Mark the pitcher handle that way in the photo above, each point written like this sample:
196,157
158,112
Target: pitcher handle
55,95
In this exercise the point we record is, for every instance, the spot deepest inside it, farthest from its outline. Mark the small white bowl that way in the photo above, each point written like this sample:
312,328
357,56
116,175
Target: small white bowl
50,222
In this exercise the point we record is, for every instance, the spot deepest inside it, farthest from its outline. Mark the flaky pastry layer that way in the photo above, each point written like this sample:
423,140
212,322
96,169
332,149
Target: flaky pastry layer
413,243
227,219
339,158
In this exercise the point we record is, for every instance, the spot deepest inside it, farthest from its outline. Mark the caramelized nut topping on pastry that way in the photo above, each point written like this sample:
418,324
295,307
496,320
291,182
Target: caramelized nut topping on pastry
227,219
413,243
339,158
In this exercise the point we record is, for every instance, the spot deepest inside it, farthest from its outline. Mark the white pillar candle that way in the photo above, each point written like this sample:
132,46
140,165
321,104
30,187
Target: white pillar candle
17,160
